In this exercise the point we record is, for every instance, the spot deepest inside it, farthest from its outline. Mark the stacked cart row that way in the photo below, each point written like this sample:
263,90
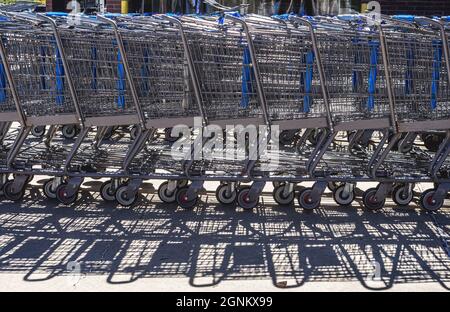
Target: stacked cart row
340,100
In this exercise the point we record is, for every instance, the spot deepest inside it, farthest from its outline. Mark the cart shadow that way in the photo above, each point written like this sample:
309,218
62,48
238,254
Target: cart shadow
213,243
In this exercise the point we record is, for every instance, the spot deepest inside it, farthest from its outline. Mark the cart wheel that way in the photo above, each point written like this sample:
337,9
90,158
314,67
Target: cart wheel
401,196
38,131
332,186
49,192
182,183
244,200
406,148
106,192
286,137
165,196
69,132
370,201
133,133
428,203
341,198
9,194
223,198
123,198
168,135
280,198
183,201
306,201
276,184
61,195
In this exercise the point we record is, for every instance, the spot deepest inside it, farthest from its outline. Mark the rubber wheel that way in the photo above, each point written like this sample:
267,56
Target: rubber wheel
62,196
183,201
168,135
38,131
428,203
182,183
223,198
9,194
244,200
286,137
123,198
306,201
164,196
133,133
398,195
47,189
332,186
106,192
281,199
69,131
370,201
341,198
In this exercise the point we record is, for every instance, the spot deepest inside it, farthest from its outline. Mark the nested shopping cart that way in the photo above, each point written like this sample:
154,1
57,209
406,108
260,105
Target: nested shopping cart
33,63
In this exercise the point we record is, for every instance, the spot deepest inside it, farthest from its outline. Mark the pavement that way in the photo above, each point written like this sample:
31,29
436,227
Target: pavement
95,246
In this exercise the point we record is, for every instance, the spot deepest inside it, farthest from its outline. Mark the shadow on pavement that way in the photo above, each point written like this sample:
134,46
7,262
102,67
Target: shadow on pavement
212,243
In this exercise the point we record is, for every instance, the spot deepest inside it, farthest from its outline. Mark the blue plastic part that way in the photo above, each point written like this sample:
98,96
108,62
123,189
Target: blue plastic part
437,62
307,99
198,6
121,83
446,19
283,17
4,19
406,18
56,14
59,75
248,76
3,94
94,68
409,72
373,73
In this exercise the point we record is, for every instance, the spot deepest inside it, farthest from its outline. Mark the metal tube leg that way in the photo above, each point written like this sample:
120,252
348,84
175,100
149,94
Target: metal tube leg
321,152
17,145
84,132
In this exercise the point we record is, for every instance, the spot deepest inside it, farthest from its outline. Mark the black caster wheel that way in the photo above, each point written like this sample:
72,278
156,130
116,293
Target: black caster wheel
164,195
306,200
182,183
401,195
276,184
10,194
133,133
107,192
38,131
62,196
48,190
428,203
168,135
69,132
183,201
281,198
370,202
223,197
244,200
286,137
341,198
332,186
123,198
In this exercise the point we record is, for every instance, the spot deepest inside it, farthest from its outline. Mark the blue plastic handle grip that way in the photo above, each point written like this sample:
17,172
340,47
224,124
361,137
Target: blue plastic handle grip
406,18
56,14
446,19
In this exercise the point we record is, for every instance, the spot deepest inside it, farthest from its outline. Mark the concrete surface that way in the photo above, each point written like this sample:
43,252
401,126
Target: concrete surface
94,246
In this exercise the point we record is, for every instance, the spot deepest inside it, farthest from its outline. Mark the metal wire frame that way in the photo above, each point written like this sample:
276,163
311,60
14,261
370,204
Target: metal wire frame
35,64
158,64
418,72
